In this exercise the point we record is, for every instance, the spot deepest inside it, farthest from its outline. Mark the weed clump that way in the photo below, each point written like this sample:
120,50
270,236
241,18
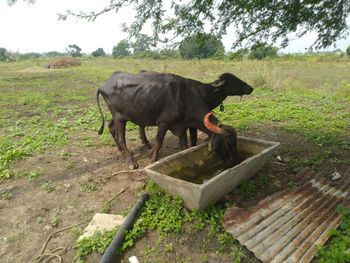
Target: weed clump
64,62
259,81
337,249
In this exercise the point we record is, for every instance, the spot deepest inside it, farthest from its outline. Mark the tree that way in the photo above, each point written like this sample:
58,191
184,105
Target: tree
348,51
99,53
262,50
253,20
201,45
122,49
4,54
74,51
142,43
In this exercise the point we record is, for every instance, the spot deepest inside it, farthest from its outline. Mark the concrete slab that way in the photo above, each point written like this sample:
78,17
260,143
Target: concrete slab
102,222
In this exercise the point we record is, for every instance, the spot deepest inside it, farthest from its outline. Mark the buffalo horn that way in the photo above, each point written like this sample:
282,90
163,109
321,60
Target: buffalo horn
217,85
212,127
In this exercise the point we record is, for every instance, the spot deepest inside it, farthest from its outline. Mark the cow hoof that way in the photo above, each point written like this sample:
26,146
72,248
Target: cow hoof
154,160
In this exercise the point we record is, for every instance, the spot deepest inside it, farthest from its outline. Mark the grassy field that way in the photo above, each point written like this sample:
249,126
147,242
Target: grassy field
51,113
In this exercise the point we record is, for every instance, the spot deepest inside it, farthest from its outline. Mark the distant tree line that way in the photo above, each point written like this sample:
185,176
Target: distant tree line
197,46
72,50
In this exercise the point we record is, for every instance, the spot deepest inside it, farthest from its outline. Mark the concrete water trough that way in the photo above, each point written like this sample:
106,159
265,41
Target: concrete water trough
198,177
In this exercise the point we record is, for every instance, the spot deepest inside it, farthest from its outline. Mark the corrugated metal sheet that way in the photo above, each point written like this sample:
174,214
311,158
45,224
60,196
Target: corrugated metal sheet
287,226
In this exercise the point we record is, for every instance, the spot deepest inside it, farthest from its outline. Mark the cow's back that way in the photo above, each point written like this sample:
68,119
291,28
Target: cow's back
146,99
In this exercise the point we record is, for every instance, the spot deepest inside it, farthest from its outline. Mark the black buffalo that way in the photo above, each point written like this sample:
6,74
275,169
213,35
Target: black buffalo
215,97
226,147
168,101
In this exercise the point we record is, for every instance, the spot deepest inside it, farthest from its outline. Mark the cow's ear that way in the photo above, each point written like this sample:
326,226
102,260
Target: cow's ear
218,83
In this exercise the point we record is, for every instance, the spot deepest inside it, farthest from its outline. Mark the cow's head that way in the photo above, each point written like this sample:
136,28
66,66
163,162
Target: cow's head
223,141
231,85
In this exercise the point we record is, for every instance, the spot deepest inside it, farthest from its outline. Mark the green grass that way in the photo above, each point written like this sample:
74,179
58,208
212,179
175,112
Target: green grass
30,137
89,186
99,242
41,108
164,214
6,195
247,188
48,187
318,119
304,97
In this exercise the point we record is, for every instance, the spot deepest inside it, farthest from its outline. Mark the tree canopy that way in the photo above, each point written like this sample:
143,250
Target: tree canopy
122,49
142,43
201,45
74,50
263,20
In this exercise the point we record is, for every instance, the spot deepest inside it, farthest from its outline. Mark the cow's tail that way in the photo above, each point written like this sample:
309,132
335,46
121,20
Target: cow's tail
100,131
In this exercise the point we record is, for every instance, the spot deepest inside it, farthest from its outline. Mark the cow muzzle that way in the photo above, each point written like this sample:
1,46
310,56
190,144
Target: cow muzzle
248,90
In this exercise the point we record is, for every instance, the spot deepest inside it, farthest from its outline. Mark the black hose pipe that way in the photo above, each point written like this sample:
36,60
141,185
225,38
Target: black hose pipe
110,255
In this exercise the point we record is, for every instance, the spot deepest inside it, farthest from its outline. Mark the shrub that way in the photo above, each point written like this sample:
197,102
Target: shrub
147,54
259,81
4,54
64,62
348,51
169,53
262,50
99,53
53,54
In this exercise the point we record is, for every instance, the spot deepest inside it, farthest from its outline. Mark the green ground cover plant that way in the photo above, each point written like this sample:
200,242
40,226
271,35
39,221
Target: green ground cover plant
337,249
304,97
164,214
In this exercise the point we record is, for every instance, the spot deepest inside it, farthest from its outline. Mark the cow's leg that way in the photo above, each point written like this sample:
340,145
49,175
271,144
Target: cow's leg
114,134
120,131
162,129
183,140
144,137
193,136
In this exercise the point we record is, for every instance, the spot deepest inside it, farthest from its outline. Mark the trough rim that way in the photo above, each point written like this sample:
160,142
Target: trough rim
272,144
200,187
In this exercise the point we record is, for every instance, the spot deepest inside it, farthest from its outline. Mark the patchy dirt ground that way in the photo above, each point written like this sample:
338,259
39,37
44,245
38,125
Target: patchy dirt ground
66,185
61,197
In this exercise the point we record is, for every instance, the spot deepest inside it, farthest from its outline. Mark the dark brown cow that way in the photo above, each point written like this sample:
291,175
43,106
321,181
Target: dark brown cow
213,100
168,101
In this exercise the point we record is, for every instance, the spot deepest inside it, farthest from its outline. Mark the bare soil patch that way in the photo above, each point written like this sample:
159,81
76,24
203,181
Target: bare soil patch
30,213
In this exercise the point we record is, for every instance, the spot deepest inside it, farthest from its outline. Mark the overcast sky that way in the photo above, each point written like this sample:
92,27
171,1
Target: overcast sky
35,28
